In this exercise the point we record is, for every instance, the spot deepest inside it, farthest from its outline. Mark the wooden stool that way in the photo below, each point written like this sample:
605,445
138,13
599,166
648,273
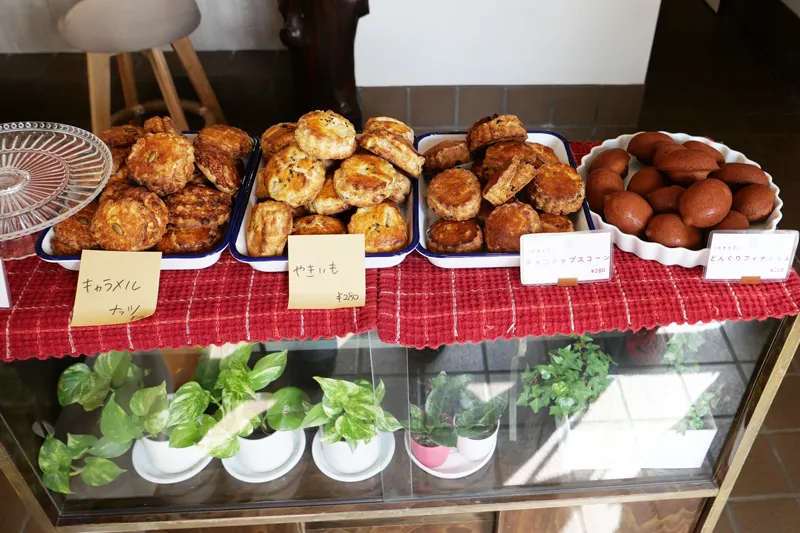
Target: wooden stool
108,28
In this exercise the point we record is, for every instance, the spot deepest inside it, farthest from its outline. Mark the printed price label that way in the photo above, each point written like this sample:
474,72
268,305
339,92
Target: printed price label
751,254
566,258
116,287
326,271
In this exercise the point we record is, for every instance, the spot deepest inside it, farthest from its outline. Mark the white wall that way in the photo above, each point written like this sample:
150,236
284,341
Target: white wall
498,42
794,5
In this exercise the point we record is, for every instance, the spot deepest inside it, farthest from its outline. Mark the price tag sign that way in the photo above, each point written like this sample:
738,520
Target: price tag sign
750,256
116,287
326,271
566,258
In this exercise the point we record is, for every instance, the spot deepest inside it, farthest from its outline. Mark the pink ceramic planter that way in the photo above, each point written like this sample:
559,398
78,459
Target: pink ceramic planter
430,456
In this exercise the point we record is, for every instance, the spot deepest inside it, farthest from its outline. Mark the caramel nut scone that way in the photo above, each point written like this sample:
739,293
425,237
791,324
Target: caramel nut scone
394,149
197,206
135,219
188,240
326,135
225,173
162,162
233,142
74,234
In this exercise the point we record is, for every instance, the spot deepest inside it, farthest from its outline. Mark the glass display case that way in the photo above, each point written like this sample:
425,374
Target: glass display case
623,431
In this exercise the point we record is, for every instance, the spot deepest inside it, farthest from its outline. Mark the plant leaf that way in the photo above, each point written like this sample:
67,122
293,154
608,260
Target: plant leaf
288,409
238,358
115,424
74,384
207,373
314,417
444,436
97,394
380,392
153,406
330,434
78,445
267,369
99,471
235,388
386,422
57,481
113,366
185,435
188,403
226,450
54,456
354,429
108,449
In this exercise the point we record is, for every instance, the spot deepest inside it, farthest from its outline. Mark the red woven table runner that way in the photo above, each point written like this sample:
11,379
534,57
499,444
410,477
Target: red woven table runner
228,302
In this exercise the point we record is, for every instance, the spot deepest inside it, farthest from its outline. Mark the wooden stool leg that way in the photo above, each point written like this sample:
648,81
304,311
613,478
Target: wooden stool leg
167,86
125,65
99,73
197,75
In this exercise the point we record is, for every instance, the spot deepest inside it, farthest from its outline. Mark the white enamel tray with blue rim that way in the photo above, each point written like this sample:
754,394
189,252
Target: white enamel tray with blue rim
652,251
580,220
281,263
169,261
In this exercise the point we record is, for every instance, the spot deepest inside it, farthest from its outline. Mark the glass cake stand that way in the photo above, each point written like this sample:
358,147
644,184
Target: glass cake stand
48,172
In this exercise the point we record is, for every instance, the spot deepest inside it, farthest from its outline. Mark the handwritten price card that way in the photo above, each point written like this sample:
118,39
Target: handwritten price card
116,287
565,258
326,271
750,256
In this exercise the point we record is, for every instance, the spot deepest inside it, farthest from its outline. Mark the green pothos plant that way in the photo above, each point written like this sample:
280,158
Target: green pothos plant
573,379
350,411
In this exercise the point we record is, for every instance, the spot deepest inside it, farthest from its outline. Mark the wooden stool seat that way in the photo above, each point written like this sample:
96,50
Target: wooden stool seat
108,28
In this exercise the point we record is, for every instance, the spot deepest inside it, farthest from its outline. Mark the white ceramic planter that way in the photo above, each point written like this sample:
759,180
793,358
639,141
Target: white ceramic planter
266,454
670,449
171,460
346,461
474,449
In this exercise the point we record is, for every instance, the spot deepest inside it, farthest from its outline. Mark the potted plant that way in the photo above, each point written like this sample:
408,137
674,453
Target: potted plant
477,424
350,418
266,442
431,428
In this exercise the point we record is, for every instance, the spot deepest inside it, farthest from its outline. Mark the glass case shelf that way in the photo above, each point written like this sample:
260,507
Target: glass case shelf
659,422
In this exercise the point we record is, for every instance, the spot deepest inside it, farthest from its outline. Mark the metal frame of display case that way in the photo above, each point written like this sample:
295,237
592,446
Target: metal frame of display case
758,397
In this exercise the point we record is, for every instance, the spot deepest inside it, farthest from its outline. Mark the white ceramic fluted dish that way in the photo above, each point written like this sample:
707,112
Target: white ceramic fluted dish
235,468
652,251
281,263
456,466
426,217
384,458
143,466
195,261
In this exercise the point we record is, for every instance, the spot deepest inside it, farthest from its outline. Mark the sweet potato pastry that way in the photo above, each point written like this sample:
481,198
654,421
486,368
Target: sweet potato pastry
189,240
557,189
269,228
326,135
198,207
490,130
400,188
276,138
508,180
507,224
394,149
446,154
363,180
383,227
233,142
327,201
294,177
135,219
392,124
455,194
74,234
455,237
318,225
162,162
261,185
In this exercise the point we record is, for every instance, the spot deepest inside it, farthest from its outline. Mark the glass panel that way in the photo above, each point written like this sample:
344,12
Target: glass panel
625,438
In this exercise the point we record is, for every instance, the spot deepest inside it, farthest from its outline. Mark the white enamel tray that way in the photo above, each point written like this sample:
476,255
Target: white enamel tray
657,252
426,217
172,261
281,263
